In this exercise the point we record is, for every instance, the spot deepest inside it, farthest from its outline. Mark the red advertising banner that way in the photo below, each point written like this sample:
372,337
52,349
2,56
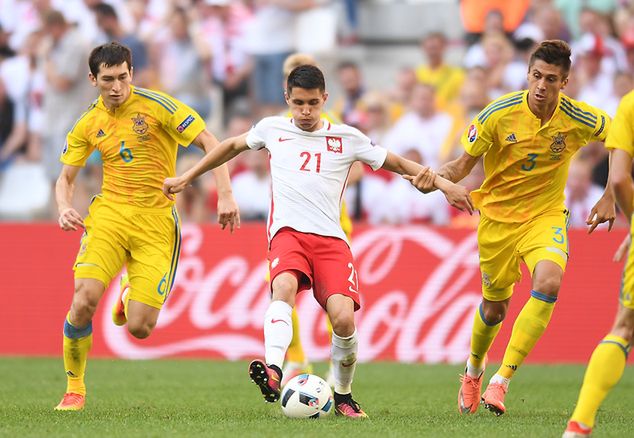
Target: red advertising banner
420,286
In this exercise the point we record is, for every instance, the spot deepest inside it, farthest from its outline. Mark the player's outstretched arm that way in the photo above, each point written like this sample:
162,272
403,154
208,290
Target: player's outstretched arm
68,219
426,180
219,155
228,211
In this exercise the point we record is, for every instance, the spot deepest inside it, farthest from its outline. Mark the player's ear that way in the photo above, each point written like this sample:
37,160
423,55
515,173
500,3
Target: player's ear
325,96
131,73
93,79
564,83
287,98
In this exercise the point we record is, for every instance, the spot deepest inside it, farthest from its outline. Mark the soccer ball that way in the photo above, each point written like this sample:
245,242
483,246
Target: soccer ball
307,396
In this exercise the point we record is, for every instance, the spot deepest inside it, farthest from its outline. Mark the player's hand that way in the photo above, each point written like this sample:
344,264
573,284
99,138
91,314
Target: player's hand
69,220
228,212
459,197
603,211
424,181
624,247
172,186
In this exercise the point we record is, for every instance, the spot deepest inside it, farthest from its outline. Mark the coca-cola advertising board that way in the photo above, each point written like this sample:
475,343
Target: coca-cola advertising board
420,287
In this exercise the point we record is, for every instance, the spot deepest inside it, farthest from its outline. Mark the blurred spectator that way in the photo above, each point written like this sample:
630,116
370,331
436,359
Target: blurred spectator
224,26
270,39
108,22
178,57
446,79
7,125
376,121
623,84
400,94
67,92
596,82
572,12
346,107
525,40
581,193
422,128
19,73
252,187
548,19
351,23
402,203
477,15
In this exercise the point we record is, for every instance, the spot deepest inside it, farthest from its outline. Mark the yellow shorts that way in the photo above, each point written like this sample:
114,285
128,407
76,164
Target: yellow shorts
147,240
627,286
503,245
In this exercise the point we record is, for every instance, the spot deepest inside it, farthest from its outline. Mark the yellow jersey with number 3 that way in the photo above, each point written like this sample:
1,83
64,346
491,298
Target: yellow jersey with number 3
138,142
525,163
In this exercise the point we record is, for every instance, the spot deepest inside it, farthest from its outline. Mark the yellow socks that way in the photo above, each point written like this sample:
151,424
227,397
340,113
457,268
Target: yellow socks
604,371
482,337
295,352
77,343
528,328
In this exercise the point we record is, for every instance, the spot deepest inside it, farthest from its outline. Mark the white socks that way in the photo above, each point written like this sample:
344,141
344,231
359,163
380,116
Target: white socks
501,380
278,332
344,360
473,371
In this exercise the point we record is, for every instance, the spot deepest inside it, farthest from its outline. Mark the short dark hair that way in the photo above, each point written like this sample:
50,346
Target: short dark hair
105,10
109,54
554,52
306,76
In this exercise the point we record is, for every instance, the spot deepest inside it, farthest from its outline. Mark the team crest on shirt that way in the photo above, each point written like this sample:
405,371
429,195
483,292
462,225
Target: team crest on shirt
472,133
139,125
334,144
557,146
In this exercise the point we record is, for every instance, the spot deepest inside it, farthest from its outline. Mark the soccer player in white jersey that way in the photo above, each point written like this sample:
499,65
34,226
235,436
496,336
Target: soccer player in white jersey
310,160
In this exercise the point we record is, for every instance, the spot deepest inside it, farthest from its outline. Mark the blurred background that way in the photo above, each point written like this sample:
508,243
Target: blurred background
409,73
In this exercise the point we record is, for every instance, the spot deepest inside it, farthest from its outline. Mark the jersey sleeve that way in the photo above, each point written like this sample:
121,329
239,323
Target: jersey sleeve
477,138
77,149
369,153
621,132
256,138
601,127
181,122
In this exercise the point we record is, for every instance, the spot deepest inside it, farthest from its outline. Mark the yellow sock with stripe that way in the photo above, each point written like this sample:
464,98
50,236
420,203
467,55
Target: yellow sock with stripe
77,343
528,328
482,336
295,352
604,371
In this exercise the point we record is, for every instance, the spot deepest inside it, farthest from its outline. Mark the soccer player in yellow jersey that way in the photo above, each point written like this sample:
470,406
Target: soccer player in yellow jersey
527,139
137,132
609,357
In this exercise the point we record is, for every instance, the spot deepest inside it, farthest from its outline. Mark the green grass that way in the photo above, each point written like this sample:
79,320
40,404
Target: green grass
206,398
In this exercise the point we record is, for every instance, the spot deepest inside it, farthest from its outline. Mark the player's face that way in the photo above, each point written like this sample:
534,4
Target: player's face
306,105
544,83
113,83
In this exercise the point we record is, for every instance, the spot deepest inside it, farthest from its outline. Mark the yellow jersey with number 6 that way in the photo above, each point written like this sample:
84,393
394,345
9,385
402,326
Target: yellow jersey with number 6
138,142
525,162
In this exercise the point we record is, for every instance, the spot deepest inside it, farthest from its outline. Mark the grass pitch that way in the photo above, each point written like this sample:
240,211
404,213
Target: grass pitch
182,398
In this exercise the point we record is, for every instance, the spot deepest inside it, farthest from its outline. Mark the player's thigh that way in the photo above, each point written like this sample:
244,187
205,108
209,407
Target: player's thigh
155,246
499,259
102,249
546,238
334,271
288,253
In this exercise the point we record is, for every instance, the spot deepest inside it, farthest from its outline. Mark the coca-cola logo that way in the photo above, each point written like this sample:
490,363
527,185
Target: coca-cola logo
419,289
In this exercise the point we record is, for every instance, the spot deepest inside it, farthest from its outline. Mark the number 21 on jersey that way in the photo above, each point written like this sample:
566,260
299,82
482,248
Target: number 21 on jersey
312,162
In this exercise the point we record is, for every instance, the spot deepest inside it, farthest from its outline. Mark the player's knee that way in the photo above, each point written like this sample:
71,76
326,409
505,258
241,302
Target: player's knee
494,312
548,286
84,305
140,329
624,325
285,288
342,324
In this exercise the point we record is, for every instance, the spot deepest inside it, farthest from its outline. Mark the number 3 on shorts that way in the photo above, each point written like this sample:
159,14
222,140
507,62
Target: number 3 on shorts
559,237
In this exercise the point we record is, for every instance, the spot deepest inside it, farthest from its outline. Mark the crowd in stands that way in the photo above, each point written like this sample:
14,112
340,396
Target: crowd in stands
224,58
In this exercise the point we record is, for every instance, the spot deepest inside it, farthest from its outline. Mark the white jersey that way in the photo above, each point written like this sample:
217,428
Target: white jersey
309,172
